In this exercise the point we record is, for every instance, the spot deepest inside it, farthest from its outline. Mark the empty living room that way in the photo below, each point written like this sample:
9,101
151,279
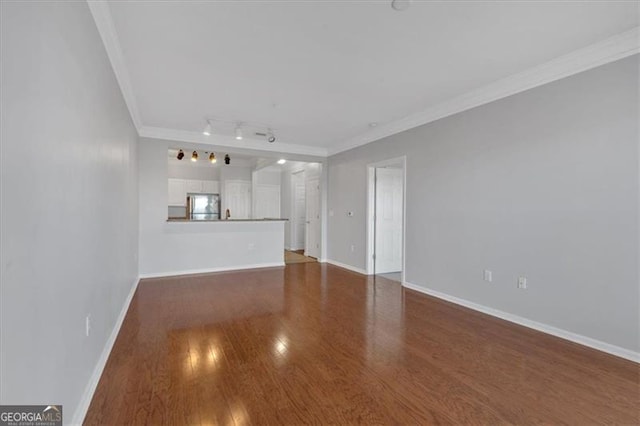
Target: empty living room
286,212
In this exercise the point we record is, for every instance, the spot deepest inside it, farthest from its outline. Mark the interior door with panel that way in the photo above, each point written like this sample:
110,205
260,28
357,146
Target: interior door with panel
388,220
299,215
312,246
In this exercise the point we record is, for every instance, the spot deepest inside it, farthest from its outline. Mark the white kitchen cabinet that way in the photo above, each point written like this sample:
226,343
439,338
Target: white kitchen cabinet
179,188
194,186
177,192
210,187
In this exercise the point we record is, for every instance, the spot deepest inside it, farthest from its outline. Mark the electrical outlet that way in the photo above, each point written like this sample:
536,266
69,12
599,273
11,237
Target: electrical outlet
87,325
353,248
522,282
488,276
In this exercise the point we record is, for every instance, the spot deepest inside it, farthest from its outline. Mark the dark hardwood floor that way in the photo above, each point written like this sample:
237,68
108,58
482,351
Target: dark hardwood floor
313,343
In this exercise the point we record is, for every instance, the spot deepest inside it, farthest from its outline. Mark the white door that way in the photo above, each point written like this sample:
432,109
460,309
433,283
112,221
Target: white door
238,199
299,215
267,203
388,224
312,246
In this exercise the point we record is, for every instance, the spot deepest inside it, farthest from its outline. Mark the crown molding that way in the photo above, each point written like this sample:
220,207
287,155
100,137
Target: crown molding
609,50
603,52
104,22
230,141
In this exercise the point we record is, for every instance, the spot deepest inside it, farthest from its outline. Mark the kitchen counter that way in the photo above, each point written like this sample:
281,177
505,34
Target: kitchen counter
181,246
182,220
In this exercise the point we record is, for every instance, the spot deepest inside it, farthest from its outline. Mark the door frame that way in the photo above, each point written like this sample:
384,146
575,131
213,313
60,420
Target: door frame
371,209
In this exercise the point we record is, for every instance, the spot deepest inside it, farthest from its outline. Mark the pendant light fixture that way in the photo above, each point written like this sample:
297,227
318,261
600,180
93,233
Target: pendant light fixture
212,158
227,159
207,129
239,132
194,156
180,155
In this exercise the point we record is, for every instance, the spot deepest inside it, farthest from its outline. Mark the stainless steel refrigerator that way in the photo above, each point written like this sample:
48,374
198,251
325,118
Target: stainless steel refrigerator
203,206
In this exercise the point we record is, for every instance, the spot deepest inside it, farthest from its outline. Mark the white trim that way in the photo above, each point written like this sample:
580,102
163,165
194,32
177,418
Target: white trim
87,396
230,141
104,22
606,51
558,332
345,266
209,270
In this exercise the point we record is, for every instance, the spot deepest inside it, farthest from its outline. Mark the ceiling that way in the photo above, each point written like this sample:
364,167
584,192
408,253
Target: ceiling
320,72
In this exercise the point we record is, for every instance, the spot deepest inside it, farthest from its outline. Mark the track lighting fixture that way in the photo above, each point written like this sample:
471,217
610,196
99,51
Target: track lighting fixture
239,127
194,156
227,159
400,5
212,158
207,129
282,161
180,155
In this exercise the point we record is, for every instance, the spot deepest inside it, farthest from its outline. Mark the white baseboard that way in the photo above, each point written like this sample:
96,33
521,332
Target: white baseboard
209,270
558,332
83,406
345,266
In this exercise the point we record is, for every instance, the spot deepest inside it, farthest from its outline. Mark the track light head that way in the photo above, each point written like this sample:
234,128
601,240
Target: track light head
212,158
227,159
194,156
238,132
271,138
207,129
180,155
400,5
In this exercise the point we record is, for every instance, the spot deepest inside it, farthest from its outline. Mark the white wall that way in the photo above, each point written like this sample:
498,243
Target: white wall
186,170
167,248
69,202
542,184
268,177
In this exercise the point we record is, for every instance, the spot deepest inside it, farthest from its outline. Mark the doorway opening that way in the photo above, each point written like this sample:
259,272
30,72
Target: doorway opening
304,229
386,219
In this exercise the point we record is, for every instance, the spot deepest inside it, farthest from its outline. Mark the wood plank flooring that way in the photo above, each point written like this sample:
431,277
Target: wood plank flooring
313,343
291,257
